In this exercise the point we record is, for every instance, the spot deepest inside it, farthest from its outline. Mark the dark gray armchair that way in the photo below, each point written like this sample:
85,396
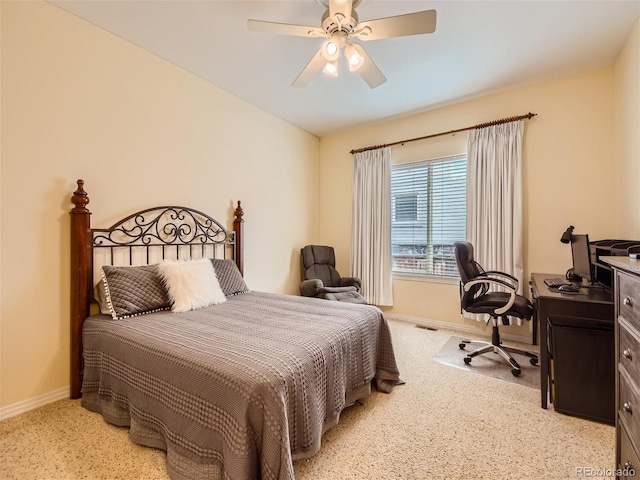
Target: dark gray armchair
320,278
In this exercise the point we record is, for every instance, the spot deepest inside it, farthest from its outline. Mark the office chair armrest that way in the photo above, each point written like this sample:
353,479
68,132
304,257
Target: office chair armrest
496,273
512,293
483,279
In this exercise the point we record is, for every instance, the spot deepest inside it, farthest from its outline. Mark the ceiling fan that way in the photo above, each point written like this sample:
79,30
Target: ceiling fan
339,25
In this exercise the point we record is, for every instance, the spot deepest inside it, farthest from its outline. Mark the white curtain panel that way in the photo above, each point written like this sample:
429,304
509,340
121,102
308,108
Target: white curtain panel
371,225
494,199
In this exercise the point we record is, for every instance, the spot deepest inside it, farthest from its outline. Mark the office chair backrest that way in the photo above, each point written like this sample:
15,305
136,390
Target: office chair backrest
319,261
469,269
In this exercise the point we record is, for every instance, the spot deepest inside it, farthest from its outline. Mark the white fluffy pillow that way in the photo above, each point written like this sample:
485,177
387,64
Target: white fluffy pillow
191,284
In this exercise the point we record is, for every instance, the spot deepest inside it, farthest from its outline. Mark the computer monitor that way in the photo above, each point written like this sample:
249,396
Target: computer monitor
582,257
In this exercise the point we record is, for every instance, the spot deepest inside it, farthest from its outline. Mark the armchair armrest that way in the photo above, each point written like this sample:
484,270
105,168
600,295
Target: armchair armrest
349,288
512,292
315,287
351,281
311,288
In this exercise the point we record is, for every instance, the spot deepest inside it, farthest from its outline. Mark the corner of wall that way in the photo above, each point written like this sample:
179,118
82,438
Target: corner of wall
627,139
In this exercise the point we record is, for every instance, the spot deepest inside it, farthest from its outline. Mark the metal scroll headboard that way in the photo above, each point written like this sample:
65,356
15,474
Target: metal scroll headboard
158,233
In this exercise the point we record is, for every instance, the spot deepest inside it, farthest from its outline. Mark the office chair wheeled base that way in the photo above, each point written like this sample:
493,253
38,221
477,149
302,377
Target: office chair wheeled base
496,346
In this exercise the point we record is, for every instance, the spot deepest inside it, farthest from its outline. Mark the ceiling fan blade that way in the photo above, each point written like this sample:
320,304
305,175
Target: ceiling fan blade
342,7
313,67
370,72
284,28
400,26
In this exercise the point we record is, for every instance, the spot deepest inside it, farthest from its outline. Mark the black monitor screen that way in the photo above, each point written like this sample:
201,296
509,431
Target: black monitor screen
581,257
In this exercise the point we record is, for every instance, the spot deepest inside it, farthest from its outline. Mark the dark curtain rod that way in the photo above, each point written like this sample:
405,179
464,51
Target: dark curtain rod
528,116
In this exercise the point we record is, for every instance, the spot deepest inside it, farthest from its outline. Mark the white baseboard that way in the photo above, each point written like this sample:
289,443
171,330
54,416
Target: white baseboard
33,403
481,330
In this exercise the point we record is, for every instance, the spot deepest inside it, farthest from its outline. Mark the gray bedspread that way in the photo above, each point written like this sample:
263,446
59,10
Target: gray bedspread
237,390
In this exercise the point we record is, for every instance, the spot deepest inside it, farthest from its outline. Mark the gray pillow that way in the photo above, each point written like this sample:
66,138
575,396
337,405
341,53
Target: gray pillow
132,291
229,277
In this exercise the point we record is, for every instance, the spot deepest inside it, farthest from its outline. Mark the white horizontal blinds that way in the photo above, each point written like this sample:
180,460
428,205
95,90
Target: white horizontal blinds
428,209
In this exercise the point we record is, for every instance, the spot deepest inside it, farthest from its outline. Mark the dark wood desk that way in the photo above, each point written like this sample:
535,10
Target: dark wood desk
582,313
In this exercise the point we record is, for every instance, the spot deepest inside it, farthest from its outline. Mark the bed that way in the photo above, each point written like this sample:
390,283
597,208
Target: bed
238,388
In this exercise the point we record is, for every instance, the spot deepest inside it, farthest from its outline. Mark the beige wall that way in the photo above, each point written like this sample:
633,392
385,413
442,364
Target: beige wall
569,175
627,139
78,102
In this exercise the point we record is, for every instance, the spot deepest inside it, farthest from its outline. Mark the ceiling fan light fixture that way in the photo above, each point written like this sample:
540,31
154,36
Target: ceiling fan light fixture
330,51
355,56
331,68
340,24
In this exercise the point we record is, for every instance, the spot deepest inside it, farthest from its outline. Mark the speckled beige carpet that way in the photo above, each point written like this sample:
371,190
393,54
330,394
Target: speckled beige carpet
445,423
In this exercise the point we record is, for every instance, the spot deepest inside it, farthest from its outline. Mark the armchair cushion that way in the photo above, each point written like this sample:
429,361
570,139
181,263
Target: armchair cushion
319,261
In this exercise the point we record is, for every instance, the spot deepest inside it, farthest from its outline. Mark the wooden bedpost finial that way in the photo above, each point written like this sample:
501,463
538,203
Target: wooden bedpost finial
238,228
238,213
80,199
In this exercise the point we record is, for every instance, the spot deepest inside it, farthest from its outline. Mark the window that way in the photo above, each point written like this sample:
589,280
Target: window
429,214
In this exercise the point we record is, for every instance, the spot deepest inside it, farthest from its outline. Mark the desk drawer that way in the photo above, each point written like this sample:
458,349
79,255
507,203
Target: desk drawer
629,350
629,298
629,406
629,462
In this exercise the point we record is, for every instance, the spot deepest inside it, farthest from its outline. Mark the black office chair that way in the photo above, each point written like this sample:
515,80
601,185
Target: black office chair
476,296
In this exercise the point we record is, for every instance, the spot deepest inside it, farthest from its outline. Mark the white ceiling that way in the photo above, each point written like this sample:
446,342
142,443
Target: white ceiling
478,47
